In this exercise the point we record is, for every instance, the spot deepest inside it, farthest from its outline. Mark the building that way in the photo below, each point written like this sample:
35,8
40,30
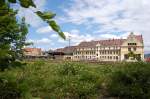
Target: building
147,57
32,52
129,49
65,53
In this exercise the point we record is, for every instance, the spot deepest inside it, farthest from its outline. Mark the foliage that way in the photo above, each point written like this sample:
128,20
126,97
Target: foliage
50,80
13,31
132,81
12,37
10,88
46,16
134,56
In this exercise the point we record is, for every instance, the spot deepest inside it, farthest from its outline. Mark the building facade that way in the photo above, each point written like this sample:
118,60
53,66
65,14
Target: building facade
129,49
32,51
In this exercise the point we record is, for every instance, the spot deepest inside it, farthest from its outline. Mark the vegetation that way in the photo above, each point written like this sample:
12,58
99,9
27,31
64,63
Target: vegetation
12,36
13,31
48,80
45,16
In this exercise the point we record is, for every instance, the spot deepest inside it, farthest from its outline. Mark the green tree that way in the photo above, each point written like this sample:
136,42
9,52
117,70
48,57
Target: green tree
8,31
13,31
45,16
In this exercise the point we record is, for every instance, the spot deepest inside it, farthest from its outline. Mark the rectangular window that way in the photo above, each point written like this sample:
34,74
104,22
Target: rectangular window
129,49
134,48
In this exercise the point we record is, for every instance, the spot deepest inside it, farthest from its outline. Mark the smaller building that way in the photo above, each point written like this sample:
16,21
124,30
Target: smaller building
32,52
67,52
147,58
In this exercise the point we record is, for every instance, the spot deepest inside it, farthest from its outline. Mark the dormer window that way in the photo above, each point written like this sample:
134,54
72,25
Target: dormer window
132,44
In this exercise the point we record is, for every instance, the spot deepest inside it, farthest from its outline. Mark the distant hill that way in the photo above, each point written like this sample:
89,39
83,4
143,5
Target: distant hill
147,55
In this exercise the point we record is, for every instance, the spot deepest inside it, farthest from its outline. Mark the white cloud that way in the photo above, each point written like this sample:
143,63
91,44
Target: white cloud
77,37
44,30
44,43
112,15
31,17
54,36
40,41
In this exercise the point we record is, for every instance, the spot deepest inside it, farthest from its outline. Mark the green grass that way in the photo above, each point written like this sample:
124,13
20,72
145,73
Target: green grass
73,80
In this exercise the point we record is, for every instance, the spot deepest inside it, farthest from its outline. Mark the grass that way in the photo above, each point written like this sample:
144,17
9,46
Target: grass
74,80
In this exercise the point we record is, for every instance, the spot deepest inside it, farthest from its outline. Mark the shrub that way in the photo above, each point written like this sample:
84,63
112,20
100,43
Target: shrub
10,88
73,81
130,81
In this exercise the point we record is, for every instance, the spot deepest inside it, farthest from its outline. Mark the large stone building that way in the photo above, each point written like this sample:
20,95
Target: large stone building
129,49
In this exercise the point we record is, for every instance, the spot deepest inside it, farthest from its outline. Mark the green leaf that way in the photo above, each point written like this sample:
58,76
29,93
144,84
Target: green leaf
45,15
61,34
27,3
56,28
12,1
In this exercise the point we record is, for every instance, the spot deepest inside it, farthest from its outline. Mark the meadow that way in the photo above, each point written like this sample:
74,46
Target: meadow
76,80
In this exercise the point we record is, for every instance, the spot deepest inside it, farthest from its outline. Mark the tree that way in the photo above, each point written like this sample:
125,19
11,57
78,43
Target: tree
8,31
45,16
12,36
13,31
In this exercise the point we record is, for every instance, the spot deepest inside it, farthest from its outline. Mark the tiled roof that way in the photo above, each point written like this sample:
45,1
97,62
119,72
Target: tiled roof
110,42
66,49
139,38
92,44
32,49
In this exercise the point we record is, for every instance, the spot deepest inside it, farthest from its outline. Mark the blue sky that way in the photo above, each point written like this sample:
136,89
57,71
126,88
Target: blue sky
86,20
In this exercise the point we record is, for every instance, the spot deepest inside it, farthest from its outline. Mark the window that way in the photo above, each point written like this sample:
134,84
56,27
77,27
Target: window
134,48
110,57
110,52
131,44
116,57
129,49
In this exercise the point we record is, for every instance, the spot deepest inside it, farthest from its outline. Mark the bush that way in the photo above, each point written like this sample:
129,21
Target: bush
130,81
73,81
10,88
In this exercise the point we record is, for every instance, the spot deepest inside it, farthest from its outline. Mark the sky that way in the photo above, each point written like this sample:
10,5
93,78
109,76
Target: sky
86,20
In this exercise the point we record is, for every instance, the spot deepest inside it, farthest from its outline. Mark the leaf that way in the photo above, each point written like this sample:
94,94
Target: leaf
61,34
45,15
56,28
27,3
12,1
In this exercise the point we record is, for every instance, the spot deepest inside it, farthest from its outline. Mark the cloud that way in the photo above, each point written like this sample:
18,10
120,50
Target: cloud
40,41
76,37
54,35
44,30
111,16
29,14
44,43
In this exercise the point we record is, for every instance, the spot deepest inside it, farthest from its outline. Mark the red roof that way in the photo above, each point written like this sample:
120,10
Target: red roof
147,59
110,42
32,49
66,49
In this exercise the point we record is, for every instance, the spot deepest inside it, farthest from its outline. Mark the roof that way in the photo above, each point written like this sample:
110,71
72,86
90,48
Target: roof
110,42
68,49
92,44
32,49
139,38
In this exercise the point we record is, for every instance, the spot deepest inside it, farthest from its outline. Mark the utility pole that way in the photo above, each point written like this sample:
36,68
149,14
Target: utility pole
69,40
